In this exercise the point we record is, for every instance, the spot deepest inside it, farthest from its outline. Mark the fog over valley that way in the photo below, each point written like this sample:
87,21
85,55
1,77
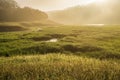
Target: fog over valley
94,13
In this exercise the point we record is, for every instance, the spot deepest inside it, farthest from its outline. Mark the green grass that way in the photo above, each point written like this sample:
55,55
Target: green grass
81,53
95,42
57,67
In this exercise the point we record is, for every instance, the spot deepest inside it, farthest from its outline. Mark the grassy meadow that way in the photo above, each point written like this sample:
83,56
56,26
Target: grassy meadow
34,51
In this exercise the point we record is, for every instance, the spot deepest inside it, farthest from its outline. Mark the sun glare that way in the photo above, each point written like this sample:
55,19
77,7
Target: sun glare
100,1
94,1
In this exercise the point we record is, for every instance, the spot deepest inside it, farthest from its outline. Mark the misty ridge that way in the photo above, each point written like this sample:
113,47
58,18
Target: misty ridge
94,13
103,13
11,12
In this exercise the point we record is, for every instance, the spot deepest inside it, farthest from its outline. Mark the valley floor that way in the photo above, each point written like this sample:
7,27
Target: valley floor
37,52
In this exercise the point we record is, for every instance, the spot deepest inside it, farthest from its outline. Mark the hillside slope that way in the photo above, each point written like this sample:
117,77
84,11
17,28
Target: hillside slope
89,14
11,12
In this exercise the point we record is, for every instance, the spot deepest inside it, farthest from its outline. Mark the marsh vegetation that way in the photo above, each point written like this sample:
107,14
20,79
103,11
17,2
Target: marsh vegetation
34,45
80,52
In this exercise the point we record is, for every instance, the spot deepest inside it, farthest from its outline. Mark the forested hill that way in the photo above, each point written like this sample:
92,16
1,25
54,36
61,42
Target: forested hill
10,11
94,13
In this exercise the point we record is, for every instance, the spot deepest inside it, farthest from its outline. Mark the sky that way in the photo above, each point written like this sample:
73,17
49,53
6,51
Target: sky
49,5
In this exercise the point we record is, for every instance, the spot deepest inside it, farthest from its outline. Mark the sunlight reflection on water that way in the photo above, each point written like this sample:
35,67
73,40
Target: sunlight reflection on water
52,40
95,24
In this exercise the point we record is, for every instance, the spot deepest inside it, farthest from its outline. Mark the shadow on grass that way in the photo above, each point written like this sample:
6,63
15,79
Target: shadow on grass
48,37
5,28
45,48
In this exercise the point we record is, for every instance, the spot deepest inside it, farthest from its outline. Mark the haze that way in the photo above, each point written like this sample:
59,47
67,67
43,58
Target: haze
48,5
78,11
99,12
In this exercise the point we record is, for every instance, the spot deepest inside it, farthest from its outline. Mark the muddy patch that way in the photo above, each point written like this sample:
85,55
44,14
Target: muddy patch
43,38
77,48
58,36
4,28
49,37
7,40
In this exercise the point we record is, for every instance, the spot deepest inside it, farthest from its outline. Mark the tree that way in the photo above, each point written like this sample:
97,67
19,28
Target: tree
5,4
10,11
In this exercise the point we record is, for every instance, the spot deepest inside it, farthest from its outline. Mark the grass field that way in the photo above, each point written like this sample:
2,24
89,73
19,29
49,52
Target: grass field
79,52
58,67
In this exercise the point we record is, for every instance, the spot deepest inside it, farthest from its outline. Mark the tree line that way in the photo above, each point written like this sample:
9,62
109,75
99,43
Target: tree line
10,11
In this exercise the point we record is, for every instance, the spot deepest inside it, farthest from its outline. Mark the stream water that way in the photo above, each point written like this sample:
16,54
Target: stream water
52,40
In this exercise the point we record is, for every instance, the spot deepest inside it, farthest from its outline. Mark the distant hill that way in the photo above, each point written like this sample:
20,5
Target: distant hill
15,18
22,14
107,13
11,12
